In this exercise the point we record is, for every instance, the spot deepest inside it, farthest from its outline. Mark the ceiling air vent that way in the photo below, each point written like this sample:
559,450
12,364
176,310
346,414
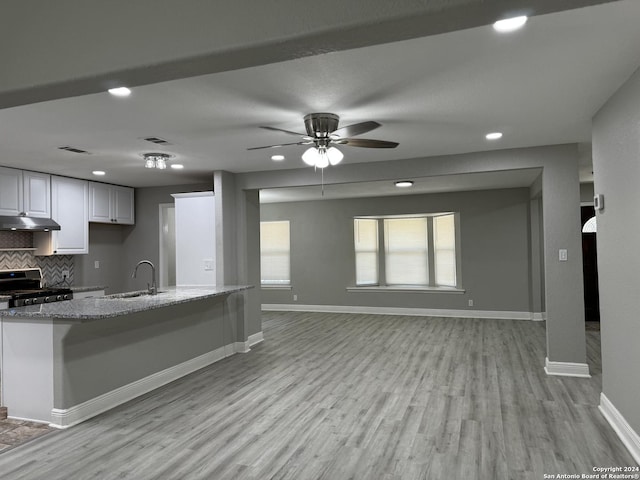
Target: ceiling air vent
157,141
73,149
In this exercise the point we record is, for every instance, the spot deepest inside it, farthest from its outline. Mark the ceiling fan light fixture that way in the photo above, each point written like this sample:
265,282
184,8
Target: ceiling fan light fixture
335,155
310,156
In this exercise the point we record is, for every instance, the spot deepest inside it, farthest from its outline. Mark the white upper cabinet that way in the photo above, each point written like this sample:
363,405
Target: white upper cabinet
25,193
10,191
37,194
111,204
70,208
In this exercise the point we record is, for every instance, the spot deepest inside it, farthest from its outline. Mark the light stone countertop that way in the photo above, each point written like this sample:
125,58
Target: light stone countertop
89,309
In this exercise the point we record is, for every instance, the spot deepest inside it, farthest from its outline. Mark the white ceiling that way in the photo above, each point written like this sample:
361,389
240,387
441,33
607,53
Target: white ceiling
434,95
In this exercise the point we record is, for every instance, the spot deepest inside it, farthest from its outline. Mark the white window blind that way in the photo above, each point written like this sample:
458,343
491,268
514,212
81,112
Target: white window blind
275,266
444,245
365,234
406,251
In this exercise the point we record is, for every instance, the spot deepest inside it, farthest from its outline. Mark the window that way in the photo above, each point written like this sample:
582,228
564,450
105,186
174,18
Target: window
444,249
365,234
416,251
275,261
406,251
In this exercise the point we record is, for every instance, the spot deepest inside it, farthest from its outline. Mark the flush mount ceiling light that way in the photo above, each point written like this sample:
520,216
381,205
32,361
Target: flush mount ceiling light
156,160
510,24
99,173
493,136
277,158
120,92
404,183
177,166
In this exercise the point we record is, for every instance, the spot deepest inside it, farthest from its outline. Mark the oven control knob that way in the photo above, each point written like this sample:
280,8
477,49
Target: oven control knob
67,297
27,301
46,299
59,297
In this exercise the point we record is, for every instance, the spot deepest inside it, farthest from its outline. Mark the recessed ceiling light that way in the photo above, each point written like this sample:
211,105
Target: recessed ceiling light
120,91
98,173
177,166
404,183
277,158
493,136
509,24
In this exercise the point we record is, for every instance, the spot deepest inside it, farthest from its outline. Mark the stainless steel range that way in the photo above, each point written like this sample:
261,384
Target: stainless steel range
24,286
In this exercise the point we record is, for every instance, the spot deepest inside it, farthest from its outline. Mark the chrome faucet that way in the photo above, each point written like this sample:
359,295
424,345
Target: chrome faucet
152,290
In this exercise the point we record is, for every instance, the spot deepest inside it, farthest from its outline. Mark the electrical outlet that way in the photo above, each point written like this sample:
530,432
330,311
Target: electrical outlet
65,273
208,264
470,303
96,264
295,298
562,254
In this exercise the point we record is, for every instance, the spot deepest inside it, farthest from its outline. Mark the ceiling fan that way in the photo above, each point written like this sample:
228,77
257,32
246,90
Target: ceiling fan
323,134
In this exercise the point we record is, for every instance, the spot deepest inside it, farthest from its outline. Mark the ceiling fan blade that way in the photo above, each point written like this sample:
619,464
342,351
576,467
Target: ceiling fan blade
355,129
280,145
366,142
285,131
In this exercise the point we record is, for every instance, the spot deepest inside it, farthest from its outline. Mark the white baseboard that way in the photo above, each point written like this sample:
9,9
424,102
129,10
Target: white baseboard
255,339
65,418
242,347
566,369
422,312
628,435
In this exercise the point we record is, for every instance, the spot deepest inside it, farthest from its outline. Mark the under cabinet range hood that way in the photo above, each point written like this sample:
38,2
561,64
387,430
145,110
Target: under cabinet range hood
28,224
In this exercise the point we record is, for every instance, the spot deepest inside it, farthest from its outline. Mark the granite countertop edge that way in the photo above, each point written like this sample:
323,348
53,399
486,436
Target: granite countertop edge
97,308
89,288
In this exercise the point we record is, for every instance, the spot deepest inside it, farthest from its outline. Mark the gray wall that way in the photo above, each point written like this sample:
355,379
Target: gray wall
563,289
494,228
142,240
105,246
616,162
120,247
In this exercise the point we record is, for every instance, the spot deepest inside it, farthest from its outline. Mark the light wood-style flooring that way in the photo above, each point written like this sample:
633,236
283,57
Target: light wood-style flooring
337,397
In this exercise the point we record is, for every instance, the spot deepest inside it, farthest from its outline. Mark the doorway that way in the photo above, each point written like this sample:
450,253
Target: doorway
167,267
590,268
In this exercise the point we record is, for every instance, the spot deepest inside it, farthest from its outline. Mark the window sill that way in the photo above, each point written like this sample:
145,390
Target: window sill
276,287
399,289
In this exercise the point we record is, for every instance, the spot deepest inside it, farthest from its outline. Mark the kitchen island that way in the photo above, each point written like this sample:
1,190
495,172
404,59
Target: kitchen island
65,362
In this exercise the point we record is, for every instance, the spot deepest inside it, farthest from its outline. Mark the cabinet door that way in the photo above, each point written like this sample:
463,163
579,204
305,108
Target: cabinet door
70,199
37,194
10,191
123,204
100,203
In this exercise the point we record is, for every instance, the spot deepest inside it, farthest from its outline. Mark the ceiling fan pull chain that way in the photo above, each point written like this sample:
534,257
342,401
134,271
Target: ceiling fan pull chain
322,181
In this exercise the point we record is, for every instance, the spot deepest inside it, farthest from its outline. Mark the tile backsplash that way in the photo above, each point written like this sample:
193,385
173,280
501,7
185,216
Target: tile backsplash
51,266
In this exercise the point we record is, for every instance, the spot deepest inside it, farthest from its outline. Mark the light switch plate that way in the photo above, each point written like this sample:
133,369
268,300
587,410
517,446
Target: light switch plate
598,202
563,255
